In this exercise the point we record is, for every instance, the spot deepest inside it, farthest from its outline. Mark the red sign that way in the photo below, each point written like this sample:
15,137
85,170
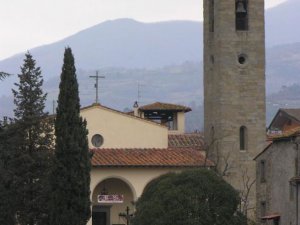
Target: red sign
110,198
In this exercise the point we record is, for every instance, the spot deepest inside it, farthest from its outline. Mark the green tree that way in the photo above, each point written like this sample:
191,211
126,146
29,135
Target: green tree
193,197
7,190
70,177
4,75
32,151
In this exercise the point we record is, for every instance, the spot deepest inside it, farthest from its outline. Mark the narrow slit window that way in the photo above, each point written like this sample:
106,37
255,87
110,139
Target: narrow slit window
211,15
263,208
262,171
296,166
241,15
292,190
243,138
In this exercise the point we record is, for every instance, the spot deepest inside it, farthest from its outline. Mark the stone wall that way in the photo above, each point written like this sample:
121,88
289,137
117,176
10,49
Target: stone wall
234,92
276,191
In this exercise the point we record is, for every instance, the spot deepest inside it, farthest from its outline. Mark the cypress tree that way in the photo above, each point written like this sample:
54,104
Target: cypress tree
70,177
31,162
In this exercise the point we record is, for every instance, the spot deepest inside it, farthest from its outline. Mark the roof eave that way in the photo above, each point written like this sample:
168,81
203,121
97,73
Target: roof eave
152,166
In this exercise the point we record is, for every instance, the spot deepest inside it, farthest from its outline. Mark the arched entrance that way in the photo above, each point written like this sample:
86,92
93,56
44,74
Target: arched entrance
110,198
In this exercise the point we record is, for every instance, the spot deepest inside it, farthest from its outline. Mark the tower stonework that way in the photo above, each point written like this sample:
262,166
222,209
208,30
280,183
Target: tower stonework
234,90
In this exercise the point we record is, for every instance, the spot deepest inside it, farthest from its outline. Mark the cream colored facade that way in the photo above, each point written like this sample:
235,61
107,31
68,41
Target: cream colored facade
234,88
127,181
180,124
123,131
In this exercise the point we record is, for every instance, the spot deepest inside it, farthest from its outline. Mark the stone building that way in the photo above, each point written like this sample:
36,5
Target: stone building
131,149
278,174
234,89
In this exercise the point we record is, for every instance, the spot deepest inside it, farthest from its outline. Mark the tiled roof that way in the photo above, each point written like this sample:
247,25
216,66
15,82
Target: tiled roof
192,140
295,113
149,158
164,106
283,116
286,134
271,138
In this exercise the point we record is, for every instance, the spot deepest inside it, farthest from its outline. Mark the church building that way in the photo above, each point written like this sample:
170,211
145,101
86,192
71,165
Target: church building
131,149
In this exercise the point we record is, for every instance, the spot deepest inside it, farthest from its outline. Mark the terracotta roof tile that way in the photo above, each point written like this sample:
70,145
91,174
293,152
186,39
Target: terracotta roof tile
149,158
191,140
288,133
295,113
164,106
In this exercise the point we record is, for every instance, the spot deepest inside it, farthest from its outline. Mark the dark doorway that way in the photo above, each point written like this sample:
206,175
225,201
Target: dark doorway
101,215
99,218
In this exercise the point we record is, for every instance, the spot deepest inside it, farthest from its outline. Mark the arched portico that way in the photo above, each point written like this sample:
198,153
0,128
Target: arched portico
110,197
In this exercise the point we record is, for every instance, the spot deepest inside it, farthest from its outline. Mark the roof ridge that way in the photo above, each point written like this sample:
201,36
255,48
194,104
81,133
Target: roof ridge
160,105
123,113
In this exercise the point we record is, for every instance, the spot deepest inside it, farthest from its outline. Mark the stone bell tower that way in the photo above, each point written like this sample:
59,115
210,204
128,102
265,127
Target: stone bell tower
234,89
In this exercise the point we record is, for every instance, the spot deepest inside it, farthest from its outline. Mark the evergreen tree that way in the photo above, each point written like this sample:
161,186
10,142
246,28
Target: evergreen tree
70,177
4,75
32,153
7,190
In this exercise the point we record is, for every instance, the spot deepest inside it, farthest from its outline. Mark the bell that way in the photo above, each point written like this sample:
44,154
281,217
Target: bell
240,8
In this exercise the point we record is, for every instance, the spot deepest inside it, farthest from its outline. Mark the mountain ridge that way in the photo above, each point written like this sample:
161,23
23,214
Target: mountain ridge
119,47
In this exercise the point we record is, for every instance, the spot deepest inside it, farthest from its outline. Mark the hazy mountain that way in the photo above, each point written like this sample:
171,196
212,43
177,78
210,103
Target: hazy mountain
281,23
131,44
180,83
121,43
283,66
164,57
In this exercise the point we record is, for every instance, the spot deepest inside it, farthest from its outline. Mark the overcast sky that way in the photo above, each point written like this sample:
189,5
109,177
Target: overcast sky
29,23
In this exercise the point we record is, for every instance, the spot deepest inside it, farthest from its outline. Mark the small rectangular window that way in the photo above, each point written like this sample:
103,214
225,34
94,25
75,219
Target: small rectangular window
292,191
262,170
296,167
276,221
263,208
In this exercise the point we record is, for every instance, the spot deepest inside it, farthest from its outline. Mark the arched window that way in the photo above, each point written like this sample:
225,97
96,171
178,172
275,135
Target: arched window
243,138
241,15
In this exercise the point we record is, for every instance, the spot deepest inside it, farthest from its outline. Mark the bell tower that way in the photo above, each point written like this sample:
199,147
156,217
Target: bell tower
234,89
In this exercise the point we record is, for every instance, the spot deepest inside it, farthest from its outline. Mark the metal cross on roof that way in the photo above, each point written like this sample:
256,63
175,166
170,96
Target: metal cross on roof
97,77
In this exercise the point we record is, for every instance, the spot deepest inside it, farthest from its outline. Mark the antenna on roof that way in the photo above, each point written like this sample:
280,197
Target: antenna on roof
97,77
